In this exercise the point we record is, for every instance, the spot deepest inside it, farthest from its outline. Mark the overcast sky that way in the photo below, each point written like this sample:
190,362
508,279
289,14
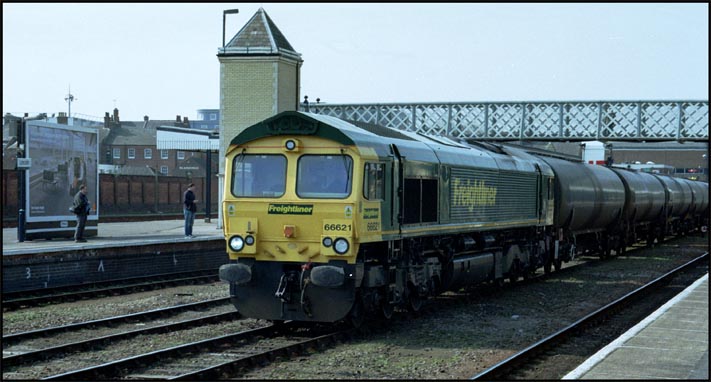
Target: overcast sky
160,59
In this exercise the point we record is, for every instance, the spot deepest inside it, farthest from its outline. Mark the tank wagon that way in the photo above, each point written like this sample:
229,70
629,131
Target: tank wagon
327,220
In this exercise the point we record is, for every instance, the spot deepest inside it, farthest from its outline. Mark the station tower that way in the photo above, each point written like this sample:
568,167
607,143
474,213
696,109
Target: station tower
259,78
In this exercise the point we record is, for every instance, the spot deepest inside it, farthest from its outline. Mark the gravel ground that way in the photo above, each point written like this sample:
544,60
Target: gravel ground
460,340
456,336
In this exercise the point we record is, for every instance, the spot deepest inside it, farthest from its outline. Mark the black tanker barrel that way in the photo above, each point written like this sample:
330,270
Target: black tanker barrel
588,197
692,191
705,187
676,198
645,196
700,196
703,192
688,197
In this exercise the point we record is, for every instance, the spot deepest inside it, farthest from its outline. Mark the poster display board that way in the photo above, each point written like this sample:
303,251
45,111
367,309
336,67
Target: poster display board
63,158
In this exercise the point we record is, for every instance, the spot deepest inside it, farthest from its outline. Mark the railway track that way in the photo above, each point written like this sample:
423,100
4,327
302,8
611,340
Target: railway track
532,356
110,321
237,351
25,299
228,354
216,360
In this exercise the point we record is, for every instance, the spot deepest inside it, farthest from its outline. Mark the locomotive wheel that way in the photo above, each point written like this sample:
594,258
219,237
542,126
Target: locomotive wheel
414,302
513,272
386,310
357,314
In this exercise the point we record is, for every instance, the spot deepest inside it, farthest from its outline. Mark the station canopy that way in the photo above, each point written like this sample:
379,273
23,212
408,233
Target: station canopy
178,138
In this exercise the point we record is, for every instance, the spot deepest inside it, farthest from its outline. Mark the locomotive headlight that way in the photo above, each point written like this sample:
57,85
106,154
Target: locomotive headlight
237,243
249,240
340,246
327,241
291,145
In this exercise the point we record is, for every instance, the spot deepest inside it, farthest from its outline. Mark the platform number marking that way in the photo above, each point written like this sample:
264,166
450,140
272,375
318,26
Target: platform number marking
28,272
101,266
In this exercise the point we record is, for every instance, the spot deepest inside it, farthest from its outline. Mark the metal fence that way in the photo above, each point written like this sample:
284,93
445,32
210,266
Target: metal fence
548,121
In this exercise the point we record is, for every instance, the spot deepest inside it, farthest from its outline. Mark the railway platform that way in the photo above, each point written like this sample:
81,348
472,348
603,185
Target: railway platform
671,343
115,234
119,251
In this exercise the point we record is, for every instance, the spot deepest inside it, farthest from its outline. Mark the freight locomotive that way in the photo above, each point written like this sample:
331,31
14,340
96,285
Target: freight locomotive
327,220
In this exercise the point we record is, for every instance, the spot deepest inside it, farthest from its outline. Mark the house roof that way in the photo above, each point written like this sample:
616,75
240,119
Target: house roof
260,36
134,133
130,134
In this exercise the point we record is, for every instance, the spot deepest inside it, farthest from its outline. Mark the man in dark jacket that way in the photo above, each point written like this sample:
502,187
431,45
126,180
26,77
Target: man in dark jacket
189,209
81,209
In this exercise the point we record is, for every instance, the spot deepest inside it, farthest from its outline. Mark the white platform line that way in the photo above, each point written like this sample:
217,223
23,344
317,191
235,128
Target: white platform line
604,352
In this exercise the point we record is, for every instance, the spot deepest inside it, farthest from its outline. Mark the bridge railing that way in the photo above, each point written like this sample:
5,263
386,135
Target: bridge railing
563,121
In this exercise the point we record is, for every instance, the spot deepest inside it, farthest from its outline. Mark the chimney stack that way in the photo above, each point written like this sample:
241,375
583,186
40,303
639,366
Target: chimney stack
107,120
116,116
185,121
62,118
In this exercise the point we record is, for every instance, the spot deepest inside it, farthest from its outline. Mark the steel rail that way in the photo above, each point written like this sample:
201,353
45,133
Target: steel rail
216,372
505,366
110,369
47,353
139,316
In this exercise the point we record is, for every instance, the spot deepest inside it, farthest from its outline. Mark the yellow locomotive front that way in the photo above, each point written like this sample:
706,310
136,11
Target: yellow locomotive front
290,223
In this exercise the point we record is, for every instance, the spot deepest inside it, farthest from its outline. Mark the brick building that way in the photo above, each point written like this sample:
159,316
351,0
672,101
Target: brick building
129,148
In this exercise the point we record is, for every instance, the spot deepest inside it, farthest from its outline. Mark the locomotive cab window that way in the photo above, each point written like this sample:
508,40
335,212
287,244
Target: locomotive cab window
374,181
259,176
324,176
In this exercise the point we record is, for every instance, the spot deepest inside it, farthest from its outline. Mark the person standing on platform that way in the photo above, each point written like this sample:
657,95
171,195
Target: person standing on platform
189,209
81,209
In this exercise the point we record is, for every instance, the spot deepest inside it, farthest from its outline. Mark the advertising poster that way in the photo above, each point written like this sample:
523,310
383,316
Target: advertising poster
63,158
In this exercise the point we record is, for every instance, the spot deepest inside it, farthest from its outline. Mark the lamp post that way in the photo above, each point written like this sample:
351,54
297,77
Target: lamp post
224,18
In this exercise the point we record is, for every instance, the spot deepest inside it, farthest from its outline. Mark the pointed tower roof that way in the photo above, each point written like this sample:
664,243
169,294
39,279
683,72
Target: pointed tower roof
260,36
